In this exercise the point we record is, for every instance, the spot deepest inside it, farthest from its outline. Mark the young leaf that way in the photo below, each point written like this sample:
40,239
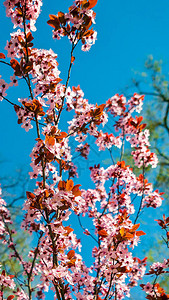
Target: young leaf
139,233
69,185
102,233
10,297
2,56
92,3
71,254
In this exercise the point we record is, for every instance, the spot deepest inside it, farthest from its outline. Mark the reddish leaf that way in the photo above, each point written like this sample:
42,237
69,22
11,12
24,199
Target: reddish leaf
102,233
92,3
135,227
20,40
50,140
19,11
139,119
29,37
2,56
61,17
76,89
72,59
46,193
139,233
129,235
122,165
54,22
61,185
14,64
27,105
16,107
28,67
71,254
161,223
27,51
88,33
167,235
10,297
69,185
83,2
38,159
62,135
76,192
142,126
30,195
71,263
68,229
52,17
101,107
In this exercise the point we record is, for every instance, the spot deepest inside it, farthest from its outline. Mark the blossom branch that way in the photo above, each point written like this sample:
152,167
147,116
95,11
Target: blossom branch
67,82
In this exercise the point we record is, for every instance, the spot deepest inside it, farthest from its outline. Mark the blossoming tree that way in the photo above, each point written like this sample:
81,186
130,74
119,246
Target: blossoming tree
54,261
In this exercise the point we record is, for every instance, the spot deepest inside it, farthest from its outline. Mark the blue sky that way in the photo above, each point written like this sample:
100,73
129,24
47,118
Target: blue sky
128,31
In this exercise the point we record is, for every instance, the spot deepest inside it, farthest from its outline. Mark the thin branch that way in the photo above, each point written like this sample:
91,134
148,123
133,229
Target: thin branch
4,62
12,103
80,223
122,148
166,118
34,259
140,206
161,154
144,93
110,285
67,82
13,245
110,151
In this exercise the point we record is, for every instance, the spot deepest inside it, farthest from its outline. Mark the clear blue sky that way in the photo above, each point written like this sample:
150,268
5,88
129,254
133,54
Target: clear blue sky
128,31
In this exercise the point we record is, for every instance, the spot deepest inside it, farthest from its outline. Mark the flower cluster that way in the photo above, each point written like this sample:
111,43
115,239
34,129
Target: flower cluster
76,23
6,281
132,128
4,218
154,291
24,10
